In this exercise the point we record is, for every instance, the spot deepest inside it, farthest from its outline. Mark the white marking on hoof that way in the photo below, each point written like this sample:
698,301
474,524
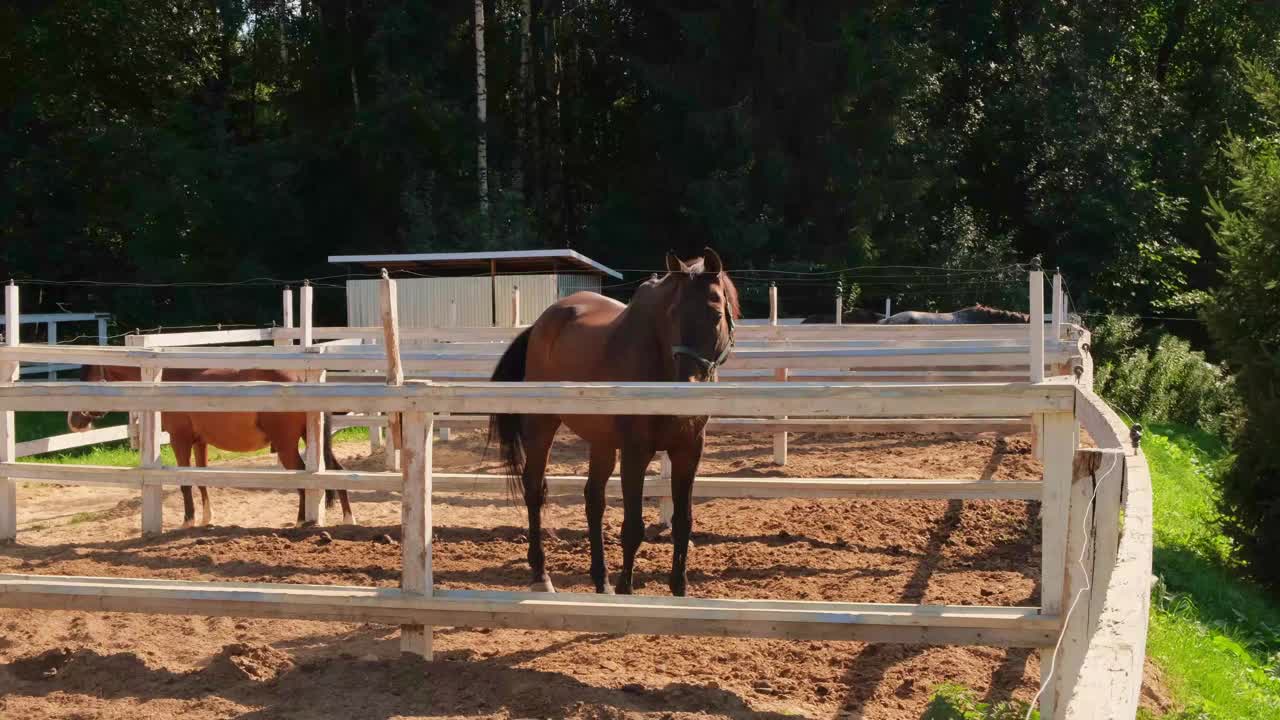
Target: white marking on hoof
542,586
348,519
206,519
188,524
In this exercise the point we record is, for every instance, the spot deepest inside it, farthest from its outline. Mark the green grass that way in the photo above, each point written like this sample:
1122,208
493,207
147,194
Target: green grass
1215,636
37,425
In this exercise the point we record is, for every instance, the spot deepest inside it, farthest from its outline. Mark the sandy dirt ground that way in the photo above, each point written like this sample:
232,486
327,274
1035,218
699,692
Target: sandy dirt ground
134,666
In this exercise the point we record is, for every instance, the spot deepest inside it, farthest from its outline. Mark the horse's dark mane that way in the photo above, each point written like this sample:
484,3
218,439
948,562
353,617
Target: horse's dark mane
996,315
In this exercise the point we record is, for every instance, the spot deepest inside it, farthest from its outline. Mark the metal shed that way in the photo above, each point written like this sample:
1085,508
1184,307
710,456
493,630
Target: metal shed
474,287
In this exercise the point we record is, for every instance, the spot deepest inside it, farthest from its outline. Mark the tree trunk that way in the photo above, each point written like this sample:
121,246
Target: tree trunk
1173,33
482,111
522,98
351,60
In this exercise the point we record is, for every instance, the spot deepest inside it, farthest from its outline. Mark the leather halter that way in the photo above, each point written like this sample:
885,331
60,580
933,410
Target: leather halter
692,353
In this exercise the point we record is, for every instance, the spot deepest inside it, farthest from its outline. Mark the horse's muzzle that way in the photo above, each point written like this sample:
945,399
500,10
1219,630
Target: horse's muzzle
78,421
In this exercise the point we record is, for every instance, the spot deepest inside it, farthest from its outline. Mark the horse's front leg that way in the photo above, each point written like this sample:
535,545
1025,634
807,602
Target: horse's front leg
635,460
684,467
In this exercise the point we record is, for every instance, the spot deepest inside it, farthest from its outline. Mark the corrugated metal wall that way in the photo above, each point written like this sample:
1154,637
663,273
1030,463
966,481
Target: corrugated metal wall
424,302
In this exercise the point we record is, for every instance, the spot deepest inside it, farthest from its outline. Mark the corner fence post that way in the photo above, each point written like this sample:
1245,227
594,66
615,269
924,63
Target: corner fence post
415,519
8,424
1055,504
149,440
1036,340
306,297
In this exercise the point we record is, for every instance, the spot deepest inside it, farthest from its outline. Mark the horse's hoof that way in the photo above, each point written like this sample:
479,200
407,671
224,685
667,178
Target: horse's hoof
307,523
605,589
188,524
348,519
206,520
621,589
543,586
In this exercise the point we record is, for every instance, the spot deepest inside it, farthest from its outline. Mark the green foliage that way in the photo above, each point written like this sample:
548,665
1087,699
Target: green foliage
205,142
1244,318
956,702
1167,383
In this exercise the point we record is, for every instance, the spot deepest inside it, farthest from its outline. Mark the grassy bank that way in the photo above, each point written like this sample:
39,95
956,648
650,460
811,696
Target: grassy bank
1215,636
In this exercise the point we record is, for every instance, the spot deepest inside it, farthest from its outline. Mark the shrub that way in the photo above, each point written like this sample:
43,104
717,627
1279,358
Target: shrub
1169,383
956,702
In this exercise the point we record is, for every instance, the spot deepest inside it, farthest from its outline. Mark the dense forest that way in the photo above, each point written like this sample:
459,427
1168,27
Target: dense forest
208,141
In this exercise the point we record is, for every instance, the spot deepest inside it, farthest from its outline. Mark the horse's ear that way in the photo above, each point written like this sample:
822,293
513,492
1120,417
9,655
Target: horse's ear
711,262
674,263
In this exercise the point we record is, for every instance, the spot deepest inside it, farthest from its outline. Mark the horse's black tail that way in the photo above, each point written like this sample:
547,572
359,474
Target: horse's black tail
509,428
330,462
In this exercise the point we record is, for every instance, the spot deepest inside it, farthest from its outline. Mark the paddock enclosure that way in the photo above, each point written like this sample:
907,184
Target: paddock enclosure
1086,622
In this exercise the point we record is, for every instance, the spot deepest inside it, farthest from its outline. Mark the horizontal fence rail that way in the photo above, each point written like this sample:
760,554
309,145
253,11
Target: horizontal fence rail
975,400
795,620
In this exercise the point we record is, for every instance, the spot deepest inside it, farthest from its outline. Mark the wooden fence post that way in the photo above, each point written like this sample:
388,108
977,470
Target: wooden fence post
839,304
102,331
53,340
453,313
1035,286
1057,313
149,441
8,423
286,315
515,306
888,307
415,518
389,305
1055,506
773,303
780,438
313,498
305,298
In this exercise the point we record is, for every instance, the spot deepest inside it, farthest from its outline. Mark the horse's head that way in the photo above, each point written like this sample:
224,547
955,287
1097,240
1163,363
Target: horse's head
82,420
702,313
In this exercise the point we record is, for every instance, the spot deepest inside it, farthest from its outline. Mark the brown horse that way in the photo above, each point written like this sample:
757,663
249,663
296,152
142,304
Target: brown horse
677,328
234,431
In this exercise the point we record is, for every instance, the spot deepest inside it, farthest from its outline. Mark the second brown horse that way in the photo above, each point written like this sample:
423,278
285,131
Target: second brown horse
235,431
677,328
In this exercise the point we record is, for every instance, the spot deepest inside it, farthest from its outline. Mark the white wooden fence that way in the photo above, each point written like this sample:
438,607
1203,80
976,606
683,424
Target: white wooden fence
1099,636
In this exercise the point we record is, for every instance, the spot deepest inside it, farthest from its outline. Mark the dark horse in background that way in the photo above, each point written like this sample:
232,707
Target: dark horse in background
677,328
856,316
234,431
972,315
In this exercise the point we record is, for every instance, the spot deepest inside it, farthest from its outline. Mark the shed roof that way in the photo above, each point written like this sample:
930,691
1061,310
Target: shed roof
503,260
